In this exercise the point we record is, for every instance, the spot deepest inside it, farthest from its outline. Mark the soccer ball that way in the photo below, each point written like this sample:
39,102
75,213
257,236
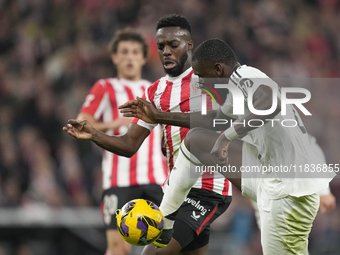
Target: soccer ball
140,222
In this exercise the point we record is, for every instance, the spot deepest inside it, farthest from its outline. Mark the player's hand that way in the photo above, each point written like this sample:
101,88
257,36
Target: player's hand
81,129
129,105
220,150
141,109
164,239
327,203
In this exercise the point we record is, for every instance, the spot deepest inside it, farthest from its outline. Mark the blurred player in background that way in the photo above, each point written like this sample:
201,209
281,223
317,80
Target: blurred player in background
210,196
124,178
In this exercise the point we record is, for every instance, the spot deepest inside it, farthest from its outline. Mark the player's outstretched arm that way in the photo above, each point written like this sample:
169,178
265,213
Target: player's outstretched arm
125,145
142,109
80,129
104,126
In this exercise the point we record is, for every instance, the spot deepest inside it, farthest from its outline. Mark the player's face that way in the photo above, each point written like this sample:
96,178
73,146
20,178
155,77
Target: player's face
174,49
129,60
204,70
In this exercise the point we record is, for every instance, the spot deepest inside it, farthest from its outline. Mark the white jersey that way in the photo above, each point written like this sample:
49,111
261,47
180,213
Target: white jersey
275,145
181,94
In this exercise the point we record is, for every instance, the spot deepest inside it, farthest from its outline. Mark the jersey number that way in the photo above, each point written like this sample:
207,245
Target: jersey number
110,205
88,100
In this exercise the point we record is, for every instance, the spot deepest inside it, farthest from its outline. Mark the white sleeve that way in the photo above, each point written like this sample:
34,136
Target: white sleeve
227,107
251,79
146,125
324,192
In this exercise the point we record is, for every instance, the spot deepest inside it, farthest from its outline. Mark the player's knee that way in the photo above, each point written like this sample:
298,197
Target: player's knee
192,134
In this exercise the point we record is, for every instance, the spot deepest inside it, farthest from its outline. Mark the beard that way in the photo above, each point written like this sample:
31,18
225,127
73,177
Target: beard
178,69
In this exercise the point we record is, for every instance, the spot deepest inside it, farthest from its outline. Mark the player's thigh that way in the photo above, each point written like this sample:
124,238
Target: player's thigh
201,141
190,242
201,251
286,223
198,211
153,193
173,248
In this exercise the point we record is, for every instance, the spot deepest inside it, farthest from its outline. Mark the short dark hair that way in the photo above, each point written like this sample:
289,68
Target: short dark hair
174,20
128,34
215,50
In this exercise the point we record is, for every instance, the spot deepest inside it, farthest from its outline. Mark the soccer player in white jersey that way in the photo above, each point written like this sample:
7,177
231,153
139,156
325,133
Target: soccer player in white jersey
210,196
124,178
287,206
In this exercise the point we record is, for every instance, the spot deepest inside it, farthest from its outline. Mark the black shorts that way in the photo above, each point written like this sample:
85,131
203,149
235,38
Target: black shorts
193,219
114,198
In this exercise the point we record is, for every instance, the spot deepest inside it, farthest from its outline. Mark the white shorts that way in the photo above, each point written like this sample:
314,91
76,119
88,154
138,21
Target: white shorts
286,223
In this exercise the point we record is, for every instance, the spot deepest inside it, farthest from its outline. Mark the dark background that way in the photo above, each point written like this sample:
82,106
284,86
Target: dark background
52,52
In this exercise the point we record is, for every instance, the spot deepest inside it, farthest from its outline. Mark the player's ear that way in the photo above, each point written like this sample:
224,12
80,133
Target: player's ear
218,68
143,61
190,45
114,59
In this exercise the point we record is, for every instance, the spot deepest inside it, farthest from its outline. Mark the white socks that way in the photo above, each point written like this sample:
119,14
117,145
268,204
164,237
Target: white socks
182,177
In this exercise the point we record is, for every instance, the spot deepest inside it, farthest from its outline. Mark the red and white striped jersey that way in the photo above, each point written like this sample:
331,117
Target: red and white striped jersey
181,94
148,165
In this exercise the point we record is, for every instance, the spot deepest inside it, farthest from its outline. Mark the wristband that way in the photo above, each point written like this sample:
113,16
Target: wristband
230,133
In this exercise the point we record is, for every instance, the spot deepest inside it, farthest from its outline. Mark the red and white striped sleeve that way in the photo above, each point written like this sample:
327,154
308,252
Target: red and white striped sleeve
140,122
95,100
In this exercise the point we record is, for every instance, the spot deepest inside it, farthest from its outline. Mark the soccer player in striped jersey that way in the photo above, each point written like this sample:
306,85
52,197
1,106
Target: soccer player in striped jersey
210,196
124,178
287,203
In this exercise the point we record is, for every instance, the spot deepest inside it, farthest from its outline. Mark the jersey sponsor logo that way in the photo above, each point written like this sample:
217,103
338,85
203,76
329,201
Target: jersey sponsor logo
158,94
195,87
204,87
194,216
197,205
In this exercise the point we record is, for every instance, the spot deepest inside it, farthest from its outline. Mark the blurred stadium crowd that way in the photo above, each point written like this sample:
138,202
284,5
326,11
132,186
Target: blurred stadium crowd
52,52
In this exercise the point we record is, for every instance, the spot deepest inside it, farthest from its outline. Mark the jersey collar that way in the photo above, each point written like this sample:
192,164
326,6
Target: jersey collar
185,73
